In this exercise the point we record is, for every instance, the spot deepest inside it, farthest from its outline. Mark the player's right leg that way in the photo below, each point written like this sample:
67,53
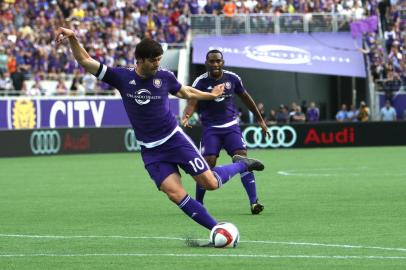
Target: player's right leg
200,192
210,146
167,179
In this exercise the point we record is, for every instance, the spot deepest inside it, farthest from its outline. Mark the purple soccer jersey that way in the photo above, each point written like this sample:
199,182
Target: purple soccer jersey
219,116
146,101
222,110
164,144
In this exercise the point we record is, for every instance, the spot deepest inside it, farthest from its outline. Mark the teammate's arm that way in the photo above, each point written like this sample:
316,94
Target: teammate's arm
188,92
189,110
249,102
80,54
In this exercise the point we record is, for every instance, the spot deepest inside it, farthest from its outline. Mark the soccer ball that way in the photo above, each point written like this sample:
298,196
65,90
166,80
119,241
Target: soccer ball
224,234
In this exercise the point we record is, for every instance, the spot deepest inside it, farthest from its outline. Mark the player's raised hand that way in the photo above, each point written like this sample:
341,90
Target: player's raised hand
185,121
264,128
218,90
63,33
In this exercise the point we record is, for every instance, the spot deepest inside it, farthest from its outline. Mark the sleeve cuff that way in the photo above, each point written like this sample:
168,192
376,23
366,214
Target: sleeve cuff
101,72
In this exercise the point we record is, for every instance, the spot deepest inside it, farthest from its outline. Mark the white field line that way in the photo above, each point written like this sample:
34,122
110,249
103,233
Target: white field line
328,172
338,257
184,239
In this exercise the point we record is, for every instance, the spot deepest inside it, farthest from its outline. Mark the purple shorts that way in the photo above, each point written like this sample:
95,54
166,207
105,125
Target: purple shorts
179,150
213,139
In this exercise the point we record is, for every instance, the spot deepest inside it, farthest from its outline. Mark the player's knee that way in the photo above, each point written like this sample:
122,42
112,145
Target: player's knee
175,196
210,185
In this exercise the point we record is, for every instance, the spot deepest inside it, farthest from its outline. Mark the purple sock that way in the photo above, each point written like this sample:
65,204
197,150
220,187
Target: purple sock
225,172
197,212
200,193
248,181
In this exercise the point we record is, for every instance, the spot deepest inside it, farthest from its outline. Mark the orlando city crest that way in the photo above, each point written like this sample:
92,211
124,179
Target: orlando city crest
24,114
227,85
157,83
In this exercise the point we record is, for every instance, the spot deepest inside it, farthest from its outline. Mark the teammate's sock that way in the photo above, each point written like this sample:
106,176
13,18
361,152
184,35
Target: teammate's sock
225,172
200,193
248,181
197,212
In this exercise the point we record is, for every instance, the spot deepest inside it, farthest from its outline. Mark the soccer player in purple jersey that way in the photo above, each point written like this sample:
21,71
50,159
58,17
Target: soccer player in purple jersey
220,122
164,146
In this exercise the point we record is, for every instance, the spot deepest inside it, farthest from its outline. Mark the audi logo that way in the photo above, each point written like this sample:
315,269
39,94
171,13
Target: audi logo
130,141
284,136
45,142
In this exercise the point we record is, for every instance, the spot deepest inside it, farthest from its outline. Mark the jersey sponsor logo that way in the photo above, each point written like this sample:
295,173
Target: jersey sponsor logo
45,142
24,114
283,136
222,97
157,83
142,96
130,142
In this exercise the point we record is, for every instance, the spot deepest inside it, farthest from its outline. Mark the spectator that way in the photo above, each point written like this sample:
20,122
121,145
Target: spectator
3,60
313,113
341,115
271,119
388,113
363,112
298,116
61,88
89,82
35,90
282,116
18,80
76,87
261,109
352,114
6,83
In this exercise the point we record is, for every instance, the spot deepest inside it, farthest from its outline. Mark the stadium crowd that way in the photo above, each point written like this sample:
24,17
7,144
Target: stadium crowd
112,27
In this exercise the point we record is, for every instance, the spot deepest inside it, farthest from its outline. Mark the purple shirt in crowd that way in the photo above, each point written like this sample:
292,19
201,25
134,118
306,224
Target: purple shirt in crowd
222,110
313,114
146,100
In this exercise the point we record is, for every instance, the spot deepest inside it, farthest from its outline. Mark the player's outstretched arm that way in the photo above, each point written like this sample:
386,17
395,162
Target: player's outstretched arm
189,110
188,92
80,54
249,102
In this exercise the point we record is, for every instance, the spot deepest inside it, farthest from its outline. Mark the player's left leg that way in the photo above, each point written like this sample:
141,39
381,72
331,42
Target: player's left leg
193,163
234,145
248,181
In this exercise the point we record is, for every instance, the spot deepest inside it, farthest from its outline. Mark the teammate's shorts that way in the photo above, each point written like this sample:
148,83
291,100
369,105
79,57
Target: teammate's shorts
213,139
179,150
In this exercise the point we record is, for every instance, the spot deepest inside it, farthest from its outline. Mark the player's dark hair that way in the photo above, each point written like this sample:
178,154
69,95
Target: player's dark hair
148,48
214,51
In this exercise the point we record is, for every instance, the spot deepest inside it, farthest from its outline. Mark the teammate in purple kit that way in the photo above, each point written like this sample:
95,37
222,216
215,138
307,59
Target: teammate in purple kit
164,146
220,121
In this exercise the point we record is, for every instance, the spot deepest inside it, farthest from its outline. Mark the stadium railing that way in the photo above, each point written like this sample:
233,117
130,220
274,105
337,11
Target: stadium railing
269,23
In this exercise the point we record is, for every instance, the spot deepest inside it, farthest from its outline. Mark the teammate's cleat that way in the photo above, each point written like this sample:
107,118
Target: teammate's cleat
252,164
256,208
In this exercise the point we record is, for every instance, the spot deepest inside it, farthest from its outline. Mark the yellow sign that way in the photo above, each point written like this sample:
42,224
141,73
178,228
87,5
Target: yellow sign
24,114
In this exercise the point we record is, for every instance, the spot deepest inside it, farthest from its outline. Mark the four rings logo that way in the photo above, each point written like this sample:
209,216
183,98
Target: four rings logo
45,142
130,141
284,136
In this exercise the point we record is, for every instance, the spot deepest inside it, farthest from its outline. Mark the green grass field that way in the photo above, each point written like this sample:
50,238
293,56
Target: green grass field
325,209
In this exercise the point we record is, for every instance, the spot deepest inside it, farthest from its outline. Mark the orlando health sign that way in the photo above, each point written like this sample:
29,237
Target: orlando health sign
318,53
